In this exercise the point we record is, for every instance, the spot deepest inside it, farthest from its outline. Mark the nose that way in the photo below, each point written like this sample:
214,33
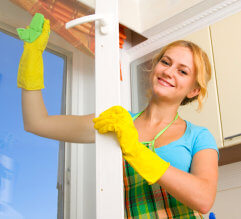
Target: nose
169,71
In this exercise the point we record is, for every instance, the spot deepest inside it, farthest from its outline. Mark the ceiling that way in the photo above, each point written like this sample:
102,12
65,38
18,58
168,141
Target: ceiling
142,15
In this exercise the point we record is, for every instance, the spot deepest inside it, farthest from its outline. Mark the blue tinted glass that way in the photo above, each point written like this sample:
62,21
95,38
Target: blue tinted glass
28,163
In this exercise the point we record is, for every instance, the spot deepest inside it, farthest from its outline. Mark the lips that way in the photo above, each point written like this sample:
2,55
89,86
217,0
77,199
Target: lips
164,82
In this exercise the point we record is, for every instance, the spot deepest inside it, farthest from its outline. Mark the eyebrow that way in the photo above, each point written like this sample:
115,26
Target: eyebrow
179,63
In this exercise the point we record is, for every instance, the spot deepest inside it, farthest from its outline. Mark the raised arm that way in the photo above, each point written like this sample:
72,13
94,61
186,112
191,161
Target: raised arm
79,129
69,128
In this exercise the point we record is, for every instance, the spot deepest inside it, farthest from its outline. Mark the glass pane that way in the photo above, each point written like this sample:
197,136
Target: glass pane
28,163
140,87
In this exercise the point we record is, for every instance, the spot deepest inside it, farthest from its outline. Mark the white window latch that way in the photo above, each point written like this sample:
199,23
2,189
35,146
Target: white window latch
103,23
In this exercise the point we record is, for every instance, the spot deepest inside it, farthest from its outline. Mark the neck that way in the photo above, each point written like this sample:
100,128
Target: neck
160,112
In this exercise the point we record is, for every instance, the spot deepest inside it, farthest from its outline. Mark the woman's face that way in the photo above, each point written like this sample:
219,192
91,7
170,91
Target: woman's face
174,77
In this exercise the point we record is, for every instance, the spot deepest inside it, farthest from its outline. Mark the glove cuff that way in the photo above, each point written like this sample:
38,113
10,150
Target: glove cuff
147,163
30,48
30,71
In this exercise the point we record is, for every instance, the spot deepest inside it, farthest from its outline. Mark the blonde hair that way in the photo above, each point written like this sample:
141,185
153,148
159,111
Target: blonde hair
202,67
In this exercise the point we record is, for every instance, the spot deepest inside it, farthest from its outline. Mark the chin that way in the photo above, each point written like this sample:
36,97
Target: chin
160,95
162,92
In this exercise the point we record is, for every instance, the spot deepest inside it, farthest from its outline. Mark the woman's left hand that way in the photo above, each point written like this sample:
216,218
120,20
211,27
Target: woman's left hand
147,163
112,119
117,119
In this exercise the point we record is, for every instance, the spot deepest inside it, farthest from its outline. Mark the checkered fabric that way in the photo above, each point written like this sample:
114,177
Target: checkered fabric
143,201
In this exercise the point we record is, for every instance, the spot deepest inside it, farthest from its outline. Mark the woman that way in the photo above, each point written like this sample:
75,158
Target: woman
167,174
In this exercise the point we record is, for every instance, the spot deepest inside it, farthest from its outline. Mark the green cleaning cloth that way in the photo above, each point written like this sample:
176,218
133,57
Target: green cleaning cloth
34,30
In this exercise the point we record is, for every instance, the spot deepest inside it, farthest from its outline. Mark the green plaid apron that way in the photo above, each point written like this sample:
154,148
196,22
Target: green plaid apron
143,201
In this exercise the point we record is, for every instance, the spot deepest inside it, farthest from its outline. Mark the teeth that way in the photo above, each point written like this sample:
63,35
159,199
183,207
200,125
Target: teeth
165,83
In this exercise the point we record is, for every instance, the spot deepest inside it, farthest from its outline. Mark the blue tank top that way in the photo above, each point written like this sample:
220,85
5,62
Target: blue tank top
180,153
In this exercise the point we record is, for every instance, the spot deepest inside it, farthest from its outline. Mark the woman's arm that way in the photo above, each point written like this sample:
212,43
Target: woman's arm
79,129
196,189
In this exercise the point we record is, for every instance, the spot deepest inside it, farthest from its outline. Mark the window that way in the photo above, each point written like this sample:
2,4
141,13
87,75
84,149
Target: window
28,163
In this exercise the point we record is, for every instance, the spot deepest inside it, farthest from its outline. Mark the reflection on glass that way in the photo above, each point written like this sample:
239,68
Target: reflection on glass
28,163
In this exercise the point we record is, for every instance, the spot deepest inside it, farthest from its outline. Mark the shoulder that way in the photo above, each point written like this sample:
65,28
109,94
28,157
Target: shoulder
201,138
195,131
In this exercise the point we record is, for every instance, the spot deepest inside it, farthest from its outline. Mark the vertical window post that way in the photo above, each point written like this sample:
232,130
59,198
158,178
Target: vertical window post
109,176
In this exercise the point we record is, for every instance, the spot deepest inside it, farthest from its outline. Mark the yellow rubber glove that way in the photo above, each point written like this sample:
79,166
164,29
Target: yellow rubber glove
147,163
30,70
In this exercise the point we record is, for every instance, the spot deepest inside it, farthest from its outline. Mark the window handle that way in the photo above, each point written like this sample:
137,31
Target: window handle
94,17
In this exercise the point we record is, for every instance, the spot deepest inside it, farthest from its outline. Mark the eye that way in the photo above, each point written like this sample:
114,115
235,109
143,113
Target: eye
183,72
164,62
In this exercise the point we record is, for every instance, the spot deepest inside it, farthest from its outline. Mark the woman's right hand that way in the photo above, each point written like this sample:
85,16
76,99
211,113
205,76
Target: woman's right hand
30,71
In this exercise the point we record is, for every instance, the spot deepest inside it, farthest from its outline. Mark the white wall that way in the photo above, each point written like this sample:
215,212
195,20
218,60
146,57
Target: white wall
153,12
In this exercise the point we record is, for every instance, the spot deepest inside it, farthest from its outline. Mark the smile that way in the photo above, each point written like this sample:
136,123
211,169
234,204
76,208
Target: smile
164,82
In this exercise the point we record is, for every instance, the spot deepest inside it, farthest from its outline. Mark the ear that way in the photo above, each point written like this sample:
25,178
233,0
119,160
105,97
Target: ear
194,92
